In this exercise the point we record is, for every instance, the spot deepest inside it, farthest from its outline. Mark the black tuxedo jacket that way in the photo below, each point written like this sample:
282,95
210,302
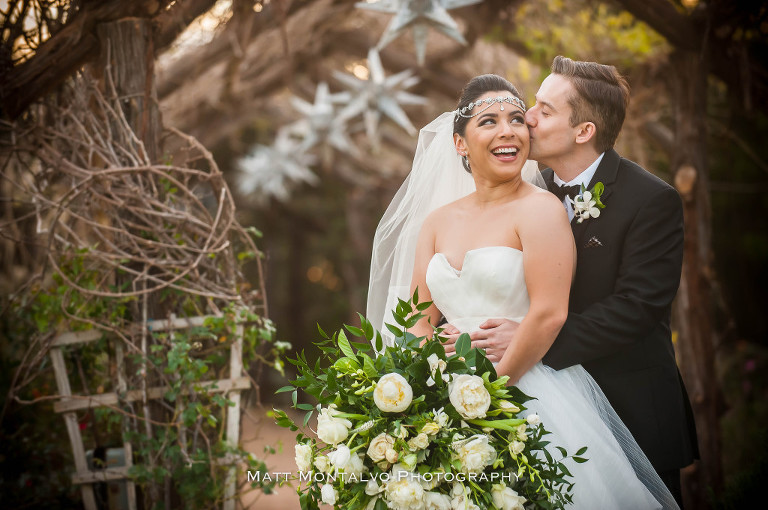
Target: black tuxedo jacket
628,271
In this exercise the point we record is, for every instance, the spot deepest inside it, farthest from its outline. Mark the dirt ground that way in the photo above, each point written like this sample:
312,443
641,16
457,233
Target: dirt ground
257,432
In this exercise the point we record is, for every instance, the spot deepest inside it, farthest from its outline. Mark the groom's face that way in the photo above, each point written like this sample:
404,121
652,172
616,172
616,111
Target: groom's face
552,136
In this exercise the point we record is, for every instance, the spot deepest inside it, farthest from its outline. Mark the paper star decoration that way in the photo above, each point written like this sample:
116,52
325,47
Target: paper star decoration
420,15
273,170
379,95
320,124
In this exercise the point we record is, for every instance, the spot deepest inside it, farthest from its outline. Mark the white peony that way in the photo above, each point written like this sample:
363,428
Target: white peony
404,493
506,499
469,396
533,419
437,501
377,450
328,494
393,394
332,430
476,454
303,457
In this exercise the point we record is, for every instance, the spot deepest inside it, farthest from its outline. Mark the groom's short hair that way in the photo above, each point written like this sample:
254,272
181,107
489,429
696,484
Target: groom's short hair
602,97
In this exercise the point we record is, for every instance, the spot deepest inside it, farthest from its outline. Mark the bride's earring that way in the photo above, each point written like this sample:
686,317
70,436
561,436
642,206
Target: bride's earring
465,162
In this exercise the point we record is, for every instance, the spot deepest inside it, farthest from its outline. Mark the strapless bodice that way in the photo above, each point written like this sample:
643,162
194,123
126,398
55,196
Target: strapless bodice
490,284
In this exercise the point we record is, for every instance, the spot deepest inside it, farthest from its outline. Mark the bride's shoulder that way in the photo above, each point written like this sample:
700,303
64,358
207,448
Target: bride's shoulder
546,206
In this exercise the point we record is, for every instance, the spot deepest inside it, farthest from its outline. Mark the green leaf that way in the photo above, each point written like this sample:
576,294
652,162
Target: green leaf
580,460
582,451
379,342
305,407
462,345
344,345
284,389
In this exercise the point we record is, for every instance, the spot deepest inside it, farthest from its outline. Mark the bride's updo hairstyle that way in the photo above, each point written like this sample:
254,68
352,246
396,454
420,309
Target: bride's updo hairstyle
476,87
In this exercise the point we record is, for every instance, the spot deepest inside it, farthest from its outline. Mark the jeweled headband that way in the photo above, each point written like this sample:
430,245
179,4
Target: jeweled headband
490,102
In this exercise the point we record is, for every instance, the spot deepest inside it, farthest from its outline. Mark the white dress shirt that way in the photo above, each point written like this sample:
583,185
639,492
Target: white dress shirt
583,178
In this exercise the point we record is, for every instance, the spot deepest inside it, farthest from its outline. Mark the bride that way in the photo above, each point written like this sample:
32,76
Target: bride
487,243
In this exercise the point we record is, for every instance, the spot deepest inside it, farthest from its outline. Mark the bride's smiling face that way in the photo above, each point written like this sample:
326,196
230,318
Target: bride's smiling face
496,141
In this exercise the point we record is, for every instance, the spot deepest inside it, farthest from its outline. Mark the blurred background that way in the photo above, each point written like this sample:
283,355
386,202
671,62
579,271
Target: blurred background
310,110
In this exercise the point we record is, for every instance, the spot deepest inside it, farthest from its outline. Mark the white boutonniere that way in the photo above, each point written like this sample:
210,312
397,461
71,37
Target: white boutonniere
587,204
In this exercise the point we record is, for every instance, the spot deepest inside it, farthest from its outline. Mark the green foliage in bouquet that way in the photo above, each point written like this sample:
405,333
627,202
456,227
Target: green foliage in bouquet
413,428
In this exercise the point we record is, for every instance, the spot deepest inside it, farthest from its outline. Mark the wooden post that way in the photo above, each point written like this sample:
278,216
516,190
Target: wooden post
73,429
693,307
233,415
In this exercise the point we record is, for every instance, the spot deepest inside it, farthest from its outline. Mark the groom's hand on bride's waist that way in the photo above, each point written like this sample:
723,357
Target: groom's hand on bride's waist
493,336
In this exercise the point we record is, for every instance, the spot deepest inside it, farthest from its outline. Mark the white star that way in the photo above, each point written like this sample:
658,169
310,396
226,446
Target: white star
419,15
320,124
273,170
379,95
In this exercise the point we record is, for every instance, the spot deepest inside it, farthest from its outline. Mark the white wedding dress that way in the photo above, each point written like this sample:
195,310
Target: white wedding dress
491,284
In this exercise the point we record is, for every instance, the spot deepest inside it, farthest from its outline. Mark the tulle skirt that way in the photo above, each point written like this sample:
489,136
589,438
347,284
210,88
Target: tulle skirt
617,475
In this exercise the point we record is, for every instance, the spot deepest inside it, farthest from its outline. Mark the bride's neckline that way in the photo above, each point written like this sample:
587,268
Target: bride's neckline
474,250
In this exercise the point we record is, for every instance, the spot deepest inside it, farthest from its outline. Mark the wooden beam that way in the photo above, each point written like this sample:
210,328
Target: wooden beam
68,50
78,402
97,476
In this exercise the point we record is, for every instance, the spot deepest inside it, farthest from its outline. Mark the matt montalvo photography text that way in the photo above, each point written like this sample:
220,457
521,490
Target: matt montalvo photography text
314,476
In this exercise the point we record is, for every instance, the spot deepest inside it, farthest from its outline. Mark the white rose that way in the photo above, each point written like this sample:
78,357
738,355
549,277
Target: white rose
516,447
506,499
377,450
328,494
405,494
340,457
437,501
372,487
419,442
393,394
355,466
436,363
461,499
431,428
533,419
469,396
332,430
303,457
322,464
475,454
391,455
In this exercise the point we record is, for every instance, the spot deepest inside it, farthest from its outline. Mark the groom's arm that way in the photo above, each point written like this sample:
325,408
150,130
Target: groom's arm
648,279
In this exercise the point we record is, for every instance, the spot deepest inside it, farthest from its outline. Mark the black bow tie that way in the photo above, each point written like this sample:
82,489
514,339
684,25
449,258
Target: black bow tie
562,191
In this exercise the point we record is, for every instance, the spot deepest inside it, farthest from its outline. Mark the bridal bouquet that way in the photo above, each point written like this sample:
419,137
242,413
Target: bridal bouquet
414,429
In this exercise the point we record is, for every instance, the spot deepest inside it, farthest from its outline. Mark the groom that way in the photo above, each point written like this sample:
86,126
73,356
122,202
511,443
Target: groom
629,263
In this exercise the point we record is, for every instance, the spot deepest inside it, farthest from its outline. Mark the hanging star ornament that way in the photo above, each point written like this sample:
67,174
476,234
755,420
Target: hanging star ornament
379,95
272,171
420,15
321,124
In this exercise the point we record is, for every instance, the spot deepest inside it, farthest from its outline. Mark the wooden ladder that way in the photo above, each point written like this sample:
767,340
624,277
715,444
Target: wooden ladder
69,404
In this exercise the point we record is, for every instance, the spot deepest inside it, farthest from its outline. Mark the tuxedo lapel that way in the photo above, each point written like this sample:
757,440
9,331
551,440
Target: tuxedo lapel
606,173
